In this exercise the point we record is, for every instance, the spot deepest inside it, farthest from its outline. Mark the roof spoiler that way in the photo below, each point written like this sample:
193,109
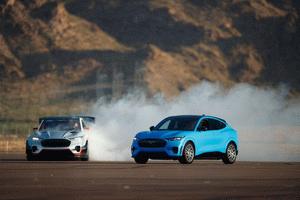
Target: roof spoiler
85,118
88,119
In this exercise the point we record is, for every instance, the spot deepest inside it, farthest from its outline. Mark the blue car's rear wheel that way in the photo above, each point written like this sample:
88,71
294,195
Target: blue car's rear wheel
188,154
231,153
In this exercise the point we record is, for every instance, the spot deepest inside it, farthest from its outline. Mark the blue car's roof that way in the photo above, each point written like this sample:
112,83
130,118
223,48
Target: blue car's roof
198,116
215,118
186,116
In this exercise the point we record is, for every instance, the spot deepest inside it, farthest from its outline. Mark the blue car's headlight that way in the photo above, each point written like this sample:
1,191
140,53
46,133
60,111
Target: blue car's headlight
135,138
175,138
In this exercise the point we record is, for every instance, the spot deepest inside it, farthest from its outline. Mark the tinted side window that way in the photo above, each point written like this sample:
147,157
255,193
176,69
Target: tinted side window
221,125
203,126
215,124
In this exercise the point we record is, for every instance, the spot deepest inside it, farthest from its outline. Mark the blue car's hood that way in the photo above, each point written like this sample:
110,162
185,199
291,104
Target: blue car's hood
160,134
49,134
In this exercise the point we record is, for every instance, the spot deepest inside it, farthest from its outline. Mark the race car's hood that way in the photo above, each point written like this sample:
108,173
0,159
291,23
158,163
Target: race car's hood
159,134
48,134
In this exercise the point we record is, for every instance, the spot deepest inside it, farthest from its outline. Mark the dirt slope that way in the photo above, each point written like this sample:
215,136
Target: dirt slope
55,51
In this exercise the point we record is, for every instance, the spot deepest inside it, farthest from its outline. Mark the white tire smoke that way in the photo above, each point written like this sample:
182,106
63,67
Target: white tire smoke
267,122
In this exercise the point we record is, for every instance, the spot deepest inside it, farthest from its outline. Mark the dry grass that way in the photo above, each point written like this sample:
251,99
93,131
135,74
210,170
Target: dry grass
170,72
74,33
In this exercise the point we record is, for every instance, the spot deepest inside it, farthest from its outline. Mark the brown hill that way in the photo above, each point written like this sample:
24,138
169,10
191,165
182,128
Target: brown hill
57,53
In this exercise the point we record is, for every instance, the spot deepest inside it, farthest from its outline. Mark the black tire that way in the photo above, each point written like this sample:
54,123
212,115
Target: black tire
30,157
188,154
141,159
85,158
231,154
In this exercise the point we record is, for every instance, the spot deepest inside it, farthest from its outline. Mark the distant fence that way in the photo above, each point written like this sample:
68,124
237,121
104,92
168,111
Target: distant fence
16,128
13,135
15,131
12,143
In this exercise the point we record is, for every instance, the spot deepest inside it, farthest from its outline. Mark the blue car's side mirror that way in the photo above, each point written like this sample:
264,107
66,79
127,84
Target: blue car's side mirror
152,128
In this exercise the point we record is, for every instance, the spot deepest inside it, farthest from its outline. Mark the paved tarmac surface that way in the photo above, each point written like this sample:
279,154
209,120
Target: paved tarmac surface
20,179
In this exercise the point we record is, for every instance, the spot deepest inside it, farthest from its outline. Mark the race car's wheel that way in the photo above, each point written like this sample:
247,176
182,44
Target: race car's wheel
30,157
141,159
188,154
231,153
85,158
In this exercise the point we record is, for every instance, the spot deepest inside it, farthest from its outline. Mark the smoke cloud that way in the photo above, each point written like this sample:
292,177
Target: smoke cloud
267,122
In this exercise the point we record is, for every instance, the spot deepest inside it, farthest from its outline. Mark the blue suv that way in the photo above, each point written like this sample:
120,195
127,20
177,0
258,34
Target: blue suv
185,138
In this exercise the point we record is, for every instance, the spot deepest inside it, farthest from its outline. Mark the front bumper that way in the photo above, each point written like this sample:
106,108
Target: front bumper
72,151
172,150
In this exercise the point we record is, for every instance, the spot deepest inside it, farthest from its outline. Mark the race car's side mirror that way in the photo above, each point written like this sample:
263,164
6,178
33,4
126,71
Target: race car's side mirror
152,128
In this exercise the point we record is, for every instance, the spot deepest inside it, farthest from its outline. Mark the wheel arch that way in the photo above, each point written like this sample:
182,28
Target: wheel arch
233,142
187,141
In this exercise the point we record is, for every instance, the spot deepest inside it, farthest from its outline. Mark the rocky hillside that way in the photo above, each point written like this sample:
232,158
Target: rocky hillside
59,53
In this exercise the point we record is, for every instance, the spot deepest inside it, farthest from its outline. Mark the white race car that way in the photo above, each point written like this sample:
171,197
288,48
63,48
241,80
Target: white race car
60,137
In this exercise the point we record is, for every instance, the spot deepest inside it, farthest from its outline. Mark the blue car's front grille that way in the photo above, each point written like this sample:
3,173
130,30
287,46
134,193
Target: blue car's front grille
152,143
55,143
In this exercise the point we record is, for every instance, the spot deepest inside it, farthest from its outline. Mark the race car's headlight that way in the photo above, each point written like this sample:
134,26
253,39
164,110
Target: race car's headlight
135,138
76,141
175,138
35,138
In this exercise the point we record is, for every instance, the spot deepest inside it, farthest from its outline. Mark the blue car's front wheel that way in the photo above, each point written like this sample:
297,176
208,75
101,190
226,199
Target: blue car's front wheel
141,159
188,154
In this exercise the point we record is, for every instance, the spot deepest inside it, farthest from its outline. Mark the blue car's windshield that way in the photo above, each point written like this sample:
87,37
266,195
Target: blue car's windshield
60,125
178,123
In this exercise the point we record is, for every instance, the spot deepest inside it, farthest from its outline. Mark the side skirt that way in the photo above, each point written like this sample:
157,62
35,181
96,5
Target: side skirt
210,156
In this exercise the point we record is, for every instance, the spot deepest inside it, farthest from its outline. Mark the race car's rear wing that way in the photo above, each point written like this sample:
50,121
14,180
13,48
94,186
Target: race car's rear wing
88,119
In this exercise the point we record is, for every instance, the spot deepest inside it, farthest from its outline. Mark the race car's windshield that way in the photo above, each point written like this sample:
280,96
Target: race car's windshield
178,123
60,125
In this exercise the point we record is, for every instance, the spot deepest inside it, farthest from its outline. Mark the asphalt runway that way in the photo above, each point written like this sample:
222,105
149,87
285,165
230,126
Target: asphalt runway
20,179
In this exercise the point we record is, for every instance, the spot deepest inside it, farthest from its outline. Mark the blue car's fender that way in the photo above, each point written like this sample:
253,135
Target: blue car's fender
187,139
231,139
